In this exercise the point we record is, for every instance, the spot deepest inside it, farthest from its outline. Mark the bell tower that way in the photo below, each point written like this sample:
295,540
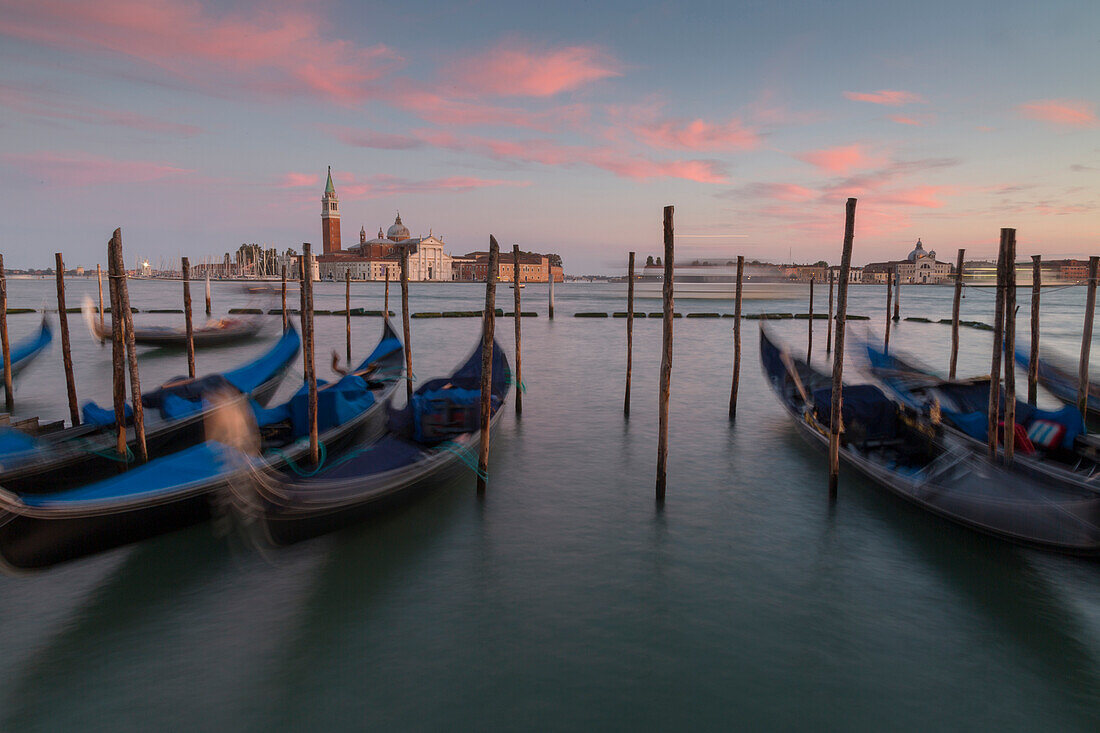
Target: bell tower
330,218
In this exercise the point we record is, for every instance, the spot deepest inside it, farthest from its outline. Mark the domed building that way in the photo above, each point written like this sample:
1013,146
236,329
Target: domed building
427,260
921,267
398,232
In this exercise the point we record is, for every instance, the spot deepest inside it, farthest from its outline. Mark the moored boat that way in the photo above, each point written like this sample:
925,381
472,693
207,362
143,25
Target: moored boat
1062,381
184,488
912,458
174,413
428,440
24,352
215,332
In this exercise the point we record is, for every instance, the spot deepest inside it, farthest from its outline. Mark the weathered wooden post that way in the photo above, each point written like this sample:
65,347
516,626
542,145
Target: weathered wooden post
517,282
810,325
99,279
629,329
835,427
305,269
737,337
347,310
66,353
188,324
889,292
386,303
1010,346
1033,361
119,275
118,357
9,396
488,325
955,314
666,357
405,322
897,295
285,321
1086,339
551,291
998,350
829,330
208,290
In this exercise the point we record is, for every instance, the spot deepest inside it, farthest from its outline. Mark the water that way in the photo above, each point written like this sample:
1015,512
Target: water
566,599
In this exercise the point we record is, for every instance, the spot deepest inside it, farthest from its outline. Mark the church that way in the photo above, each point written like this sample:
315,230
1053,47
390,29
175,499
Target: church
921,267
373,259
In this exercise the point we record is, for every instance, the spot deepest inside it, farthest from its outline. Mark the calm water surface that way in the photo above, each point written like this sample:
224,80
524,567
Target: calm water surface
566,599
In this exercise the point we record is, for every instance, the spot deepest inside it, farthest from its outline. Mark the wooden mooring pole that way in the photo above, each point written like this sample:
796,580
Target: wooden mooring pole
66,352
285,321
118,265
99,279
551,292
829,328
889,293
737,337
1086,339
488,325
305,270
405,323
5,345
993,418
1010,346
1033,360
629,329
208,290
386,302
897,295
517,283
185,265
810,325
118,358
835,427
666,356
347,311
955,313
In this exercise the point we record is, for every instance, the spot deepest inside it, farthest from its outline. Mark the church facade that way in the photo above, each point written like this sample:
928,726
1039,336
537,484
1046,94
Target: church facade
922,268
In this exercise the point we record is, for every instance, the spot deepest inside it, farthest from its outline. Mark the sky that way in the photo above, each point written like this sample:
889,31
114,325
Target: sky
564,127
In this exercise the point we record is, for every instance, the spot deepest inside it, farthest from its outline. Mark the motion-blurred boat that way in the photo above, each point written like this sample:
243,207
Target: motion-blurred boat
1061,380
174,419
184,488
215,332
428,440
759,282
913,458
1052,444
24,352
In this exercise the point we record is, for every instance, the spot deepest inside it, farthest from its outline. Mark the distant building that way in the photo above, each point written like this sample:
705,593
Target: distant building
330,218
533,267
922,268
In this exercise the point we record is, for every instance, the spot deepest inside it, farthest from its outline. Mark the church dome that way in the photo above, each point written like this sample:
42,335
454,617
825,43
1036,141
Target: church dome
918,251
398,231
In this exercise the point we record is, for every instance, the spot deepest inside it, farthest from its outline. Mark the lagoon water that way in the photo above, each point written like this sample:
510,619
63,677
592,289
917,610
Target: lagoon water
566,599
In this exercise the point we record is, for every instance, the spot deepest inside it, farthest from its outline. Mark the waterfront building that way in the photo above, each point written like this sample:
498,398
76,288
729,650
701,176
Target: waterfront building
921,267
330,218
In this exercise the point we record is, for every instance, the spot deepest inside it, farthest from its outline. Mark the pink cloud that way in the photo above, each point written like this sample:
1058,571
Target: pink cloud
276,51
697,135
778,191
433,106
902,120
514,70
47,105
888,97
840,160
920,196
80,169
1061,112
548,152
297,180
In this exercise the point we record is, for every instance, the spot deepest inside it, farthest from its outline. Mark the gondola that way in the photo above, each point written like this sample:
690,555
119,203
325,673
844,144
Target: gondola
174,413
24,352
215,332
185,488
1051,444
913,458
1062,381
428,440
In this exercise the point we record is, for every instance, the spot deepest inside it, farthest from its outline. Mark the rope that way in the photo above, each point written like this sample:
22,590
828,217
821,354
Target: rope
522,387
322,454
464,454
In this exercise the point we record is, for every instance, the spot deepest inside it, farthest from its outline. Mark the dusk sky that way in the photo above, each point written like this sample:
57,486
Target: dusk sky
564,127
